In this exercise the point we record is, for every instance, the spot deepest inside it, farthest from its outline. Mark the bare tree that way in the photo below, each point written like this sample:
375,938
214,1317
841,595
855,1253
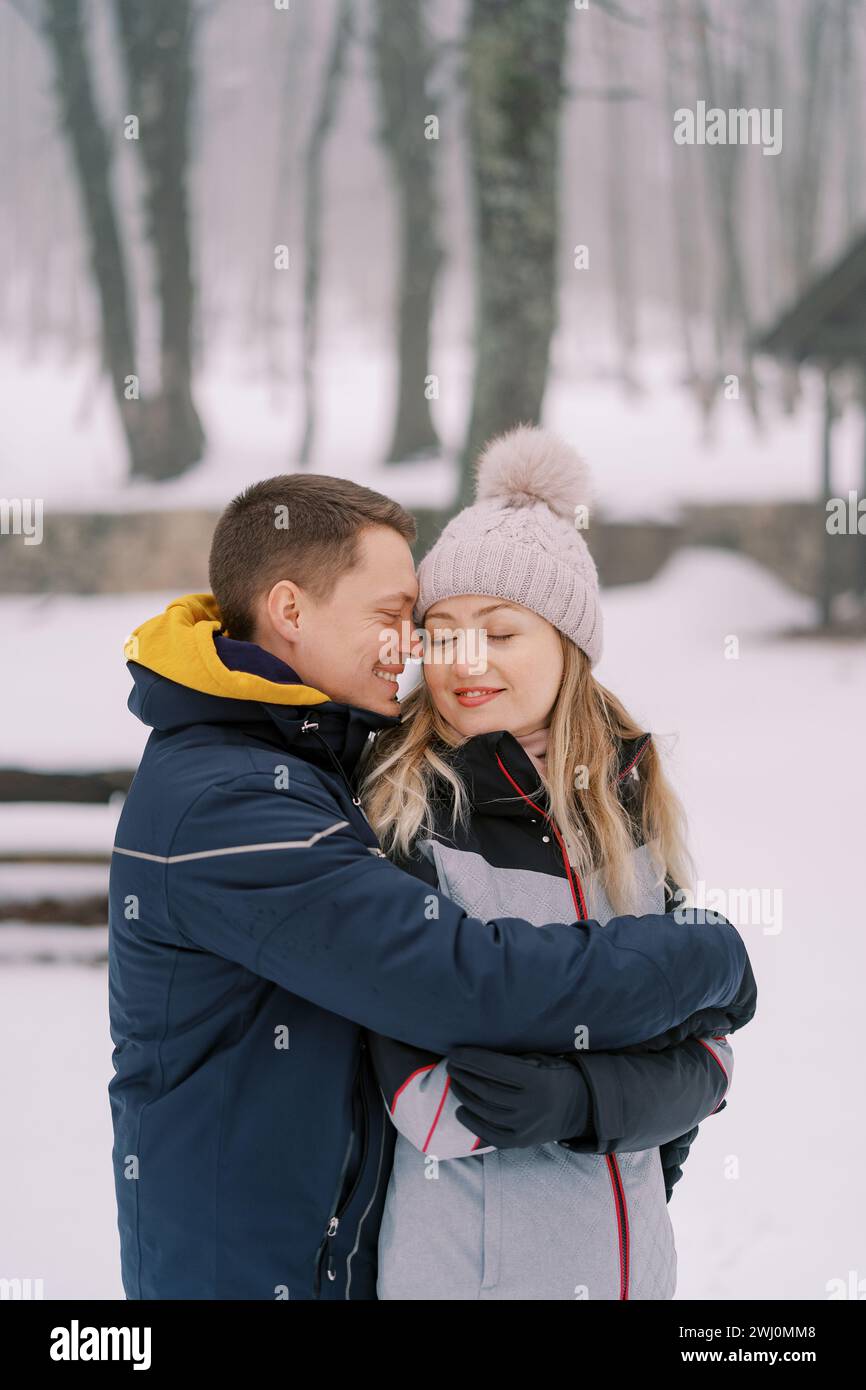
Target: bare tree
515,69
403,65
850,59
619,179
267,318
91,153
814,107
156,43
685,241
723,174
342,34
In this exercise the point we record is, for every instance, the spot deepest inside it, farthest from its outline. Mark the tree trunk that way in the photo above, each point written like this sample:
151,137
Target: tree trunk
312,217
91,154
813,140
156,42
619,180
722,171
850,111
685,270
515,94
403,66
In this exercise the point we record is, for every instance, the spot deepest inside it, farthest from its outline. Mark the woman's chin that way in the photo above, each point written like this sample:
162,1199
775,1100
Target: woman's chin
481,720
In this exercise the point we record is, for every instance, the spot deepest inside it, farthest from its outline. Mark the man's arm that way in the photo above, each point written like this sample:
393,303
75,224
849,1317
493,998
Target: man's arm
281,883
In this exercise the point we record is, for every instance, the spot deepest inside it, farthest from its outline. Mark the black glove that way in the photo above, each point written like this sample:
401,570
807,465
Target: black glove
514,1102
673,1156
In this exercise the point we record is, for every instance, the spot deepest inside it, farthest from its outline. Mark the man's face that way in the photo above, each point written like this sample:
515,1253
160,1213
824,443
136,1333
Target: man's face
339,644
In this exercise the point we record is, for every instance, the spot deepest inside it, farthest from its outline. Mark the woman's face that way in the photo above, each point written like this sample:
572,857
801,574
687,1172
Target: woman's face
509,656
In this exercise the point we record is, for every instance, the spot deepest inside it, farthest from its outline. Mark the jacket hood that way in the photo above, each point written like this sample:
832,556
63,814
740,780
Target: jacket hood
179,645
185,672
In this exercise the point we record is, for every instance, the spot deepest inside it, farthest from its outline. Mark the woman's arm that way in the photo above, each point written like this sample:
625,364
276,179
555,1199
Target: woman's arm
641,1101
623,1102
416,1088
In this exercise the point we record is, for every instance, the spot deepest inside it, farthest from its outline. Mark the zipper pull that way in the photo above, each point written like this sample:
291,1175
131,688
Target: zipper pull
329,1263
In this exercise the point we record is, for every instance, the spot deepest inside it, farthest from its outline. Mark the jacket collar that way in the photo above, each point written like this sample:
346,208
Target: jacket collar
324,732
185,671
486,762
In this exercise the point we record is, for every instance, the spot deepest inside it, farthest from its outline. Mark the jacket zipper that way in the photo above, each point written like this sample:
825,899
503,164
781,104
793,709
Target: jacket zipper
363,1217
311,726
324,1256
619,1200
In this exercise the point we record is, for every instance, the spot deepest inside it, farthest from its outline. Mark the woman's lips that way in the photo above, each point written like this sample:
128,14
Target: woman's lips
470,701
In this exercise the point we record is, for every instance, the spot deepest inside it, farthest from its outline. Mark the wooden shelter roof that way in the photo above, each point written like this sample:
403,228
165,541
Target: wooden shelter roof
827,323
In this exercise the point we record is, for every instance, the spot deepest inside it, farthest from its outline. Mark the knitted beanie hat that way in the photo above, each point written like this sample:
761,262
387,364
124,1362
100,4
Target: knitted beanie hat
521,539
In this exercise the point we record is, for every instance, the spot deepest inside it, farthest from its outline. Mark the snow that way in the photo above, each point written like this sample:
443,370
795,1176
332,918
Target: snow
50,825
57,1208
24,883
23,942
648,455
77,643
771,768
764,750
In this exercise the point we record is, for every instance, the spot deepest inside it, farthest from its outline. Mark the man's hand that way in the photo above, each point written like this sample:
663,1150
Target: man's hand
514,1102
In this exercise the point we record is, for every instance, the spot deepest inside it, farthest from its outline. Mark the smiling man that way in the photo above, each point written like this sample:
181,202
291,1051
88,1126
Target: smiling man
256,928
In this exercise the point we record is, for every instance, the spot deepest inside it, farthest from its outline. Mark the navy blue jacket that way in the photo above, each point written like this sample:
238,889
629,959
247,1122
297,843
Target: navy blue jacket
256,929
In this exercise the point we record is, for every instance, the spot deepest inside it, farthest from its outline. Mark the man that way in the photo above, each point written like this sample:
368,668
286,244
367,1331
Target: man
256,927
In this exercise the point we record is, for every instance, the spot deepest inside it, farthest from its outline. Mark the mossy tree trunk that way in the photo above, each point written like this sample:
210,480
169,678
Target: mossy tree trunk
403,65
156,39
515,73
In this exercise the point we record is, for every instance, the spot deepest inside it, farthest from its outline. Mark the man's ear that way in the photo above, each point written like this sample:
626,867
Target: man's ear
282,606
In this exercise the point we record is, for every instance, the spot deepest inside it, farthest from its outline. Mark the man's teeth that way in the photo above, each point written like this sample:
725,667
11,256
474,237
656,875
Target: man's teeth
383,677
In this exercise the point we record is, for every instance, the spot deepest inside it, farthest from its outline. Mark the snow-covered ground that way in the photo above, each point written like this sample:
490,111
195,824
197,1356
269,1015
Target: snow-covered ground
648,455
770,763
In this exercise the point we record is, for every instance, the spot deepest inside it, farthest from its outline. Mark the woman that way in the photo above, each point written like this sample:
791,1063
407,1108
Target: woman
519,785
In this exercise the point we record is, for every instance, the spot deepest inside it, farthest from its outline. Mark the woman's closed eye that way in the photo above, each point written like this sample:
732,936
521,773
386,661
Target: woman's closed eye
441,641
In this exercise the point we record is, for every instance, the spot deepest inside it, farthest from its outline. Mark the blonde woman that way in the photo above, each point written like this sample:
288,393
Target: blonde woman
519,786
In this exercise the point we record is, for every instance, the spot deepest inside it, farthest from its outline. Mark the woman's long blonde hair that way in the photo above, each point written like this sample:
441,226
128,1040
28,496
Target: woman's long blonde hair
587,720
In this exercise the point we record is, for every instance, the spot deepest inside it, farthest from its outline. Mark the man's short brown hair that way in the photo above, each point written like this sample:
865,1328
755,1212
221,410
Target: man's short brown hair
298,526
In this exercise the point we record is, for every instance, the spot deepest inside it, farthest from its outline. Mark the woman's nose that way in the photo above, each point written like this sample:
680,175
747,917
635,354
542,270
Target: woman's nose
470,658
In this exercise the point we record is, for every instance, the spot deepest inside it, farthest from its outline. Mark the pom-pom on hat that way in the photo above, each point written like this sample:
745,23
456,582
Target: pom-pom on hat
521,539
